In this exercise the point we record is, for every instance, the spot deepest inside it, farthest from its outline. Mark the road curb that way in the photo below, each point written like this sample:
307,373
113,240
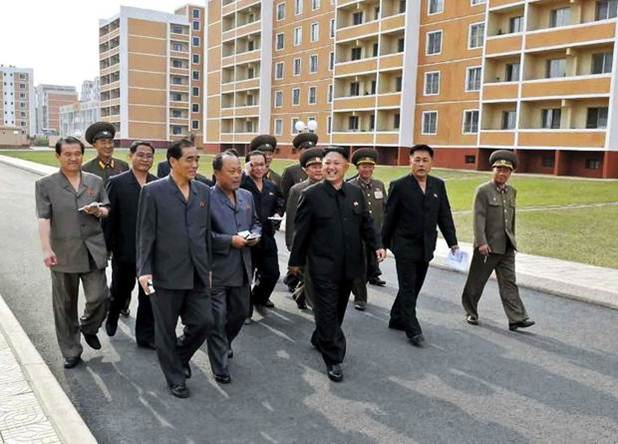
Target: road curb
56,405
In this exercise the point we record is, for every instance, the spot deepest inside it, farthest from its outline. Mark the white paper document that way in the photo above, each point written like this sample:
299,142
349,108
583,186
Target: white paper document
459,260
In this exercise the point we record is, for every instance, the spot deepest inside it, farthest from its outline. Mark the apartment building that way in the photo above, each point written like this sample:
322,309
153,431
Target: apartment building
49,100
77,117
465,76
151,66
17,101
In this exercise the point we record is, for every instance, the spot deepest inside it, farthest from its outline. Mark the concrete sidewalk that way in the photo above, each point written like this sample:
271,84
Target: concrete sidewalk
572,280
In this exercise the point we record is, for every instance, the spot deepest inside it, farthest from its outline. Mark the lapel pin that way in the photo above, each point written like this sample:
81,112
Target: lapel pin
355,203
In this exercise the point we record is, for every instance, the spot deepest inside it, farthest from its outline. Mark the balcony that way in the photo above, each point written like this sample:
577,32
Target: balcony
569,36
355,32
393,23
392,100
357,66
567,87
356,103
506,91
503,44
561,138
497,137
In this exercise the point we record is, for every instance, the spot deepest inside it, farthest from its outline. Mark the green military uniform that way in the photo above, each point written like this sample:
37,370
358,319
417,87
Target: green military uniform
494,225
105,170
294,173
274,177
375,196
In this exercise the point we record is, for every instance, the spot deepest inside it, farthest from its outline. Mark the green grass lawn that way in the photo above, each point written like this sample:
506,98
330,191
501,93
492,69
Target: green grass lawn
588,235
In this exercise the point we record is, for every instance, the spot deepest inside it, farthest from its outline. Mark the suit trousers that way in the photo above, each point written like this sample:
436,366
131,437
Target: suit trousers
329,306
480,271
65,290
266,271
123,283
230,308
373,266
410,276
193,307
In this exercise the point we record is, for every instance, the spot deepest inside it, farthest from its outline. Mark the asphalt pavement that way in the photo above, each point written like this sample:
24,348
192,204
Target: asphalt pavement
557,382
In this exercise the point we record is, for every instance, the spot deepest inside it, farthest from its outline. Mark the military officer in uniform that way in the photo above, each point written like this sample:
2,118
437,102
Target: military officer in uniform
365,160
311,162
101,136
495,244
294,174
267,144
332,222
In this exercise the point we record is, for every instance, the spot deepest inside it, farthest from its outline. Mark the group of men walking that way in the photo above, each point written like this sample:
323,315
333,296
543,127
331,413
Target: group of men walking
204,251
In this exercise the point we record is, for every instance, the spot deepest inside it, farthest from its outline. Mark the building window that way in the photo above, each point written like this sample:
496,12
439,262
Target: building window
512,72
357,18
606,9
356,54
560,17
298,36
313,91
315,4
548,162
550,118
279,71
278,99
281,11
195,108
313,64
476,35
176,130
331,61
315,32
195,91
176,29
280,41
509,120
298,7
296,66
402,6
331,29
354,89
434,43
432,83
353,123
470,159
294,130
329,97
278,130
596,118
396,121
473,79
196,26
195,124
196,59
196,75
471,122
435,7
430,122
196,13
602,63
296,96
516,24
401,44
329,124
555,68
196,41
593,164
477,2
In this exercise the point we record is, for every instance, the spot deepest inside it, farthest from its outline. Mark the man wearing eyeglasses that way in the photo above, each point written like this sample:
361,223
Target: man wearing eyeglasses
123,191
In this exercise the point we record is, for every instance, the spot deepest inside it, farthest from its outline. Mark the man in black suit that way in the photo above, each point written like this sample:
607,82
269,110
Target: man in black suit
174,262
123,191
332,222
416,204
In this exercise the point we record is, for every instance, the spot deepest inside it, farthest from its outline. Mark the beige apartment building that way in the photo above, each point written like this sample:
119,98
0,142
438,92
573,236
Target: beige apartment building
151,71
17,103
49,100
465,76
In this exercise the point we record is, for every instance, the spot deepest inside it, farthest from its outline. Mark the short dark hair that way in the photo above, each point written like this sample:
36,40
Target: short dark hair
255,153
137,143
421,147
217,162
175,150
70,140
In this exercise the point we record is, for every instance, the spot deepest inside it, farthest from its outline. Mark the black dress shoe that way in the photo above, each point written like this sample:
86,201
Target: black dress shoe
125,312
186,368
522,324
269,304
179,390
146,344
417,340
472,320
223,379
360,306
377,281
396,326
71,362
92,341
334,372
111,327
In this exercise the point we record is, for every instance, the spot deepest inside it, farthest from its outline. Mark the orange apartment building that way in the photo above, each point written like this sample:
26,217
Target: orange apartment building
151,70
49,100
465,76
17,103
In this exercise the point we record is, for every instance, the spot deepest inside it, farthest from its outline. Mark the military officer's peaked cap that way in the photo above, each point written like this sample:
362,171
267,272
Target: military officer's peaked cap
337,149
311,156
503,158
100,130
365,155
305,140
265,142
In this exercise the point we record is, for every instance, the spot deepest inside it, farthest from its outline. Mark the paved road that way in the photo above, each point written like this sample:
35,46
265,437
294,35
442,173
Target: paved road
557,383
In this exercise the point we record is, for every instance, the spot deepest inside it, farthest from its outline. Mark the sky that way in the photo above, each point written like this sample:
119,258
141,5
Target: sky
59,39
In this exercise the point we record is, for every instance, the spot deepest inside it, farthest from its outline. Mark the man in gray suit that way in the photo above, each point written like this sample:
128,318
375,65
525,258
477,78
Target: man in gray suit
235,228
70,205
174,261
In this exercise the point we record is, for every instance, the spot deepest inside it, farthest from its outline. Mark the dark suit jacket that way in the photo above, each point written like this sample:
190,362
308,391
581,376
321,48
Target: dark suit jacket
292,175
329,235
232,267
173,235
411,218
123,192
163,169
